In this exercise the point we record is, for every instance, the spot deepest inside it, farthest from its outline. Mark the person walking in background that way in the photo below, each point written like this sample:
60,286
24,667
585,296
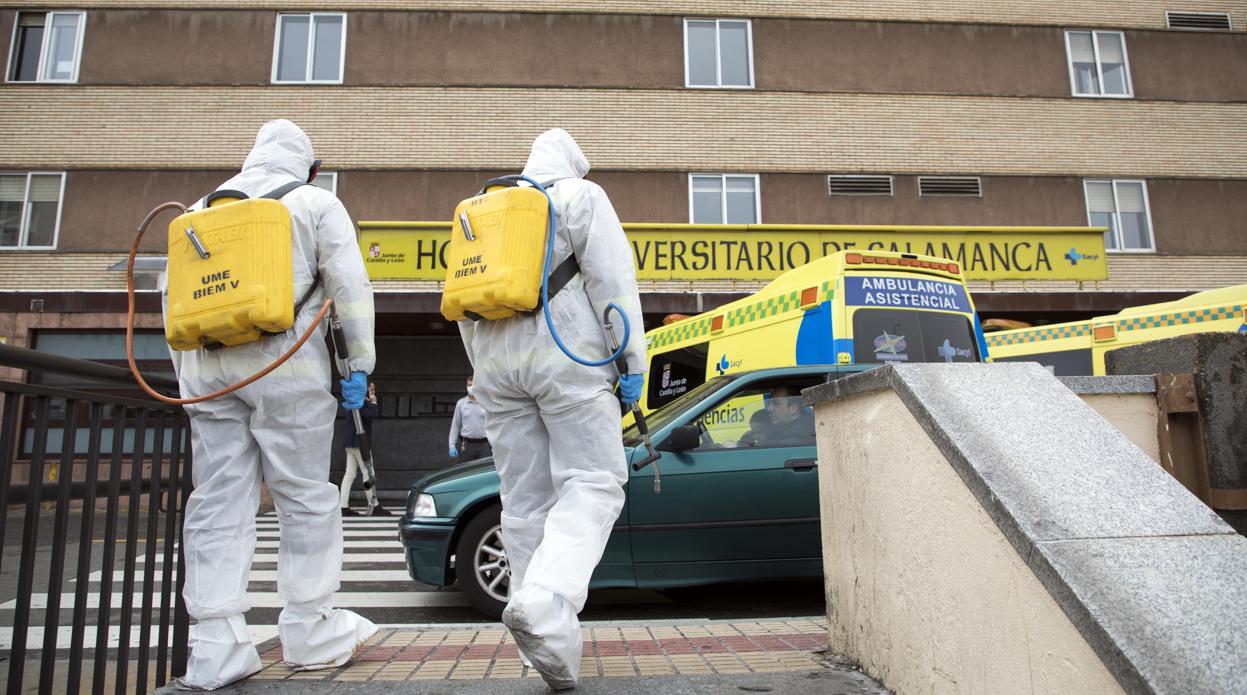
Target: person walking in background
467,429
355,462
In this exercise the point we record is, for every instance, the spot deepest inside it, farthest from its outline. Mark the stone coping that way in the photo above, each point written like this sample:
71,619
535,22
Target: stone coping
1130,383
1151,577
1084,385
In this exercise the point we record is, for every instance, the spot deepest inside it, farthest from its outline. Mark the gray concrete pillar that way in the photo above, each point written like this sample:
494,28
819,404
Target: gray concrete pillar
1212,403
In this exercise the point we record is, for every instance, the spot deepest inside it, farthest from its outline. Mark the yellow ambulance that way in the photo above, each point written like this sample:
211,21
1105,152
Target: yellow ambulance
849,308
1077,348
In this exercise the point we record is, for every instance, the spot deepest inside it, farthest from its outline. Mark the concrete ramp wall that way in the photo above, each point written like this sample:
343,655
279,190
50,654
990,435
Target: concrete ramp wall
985,531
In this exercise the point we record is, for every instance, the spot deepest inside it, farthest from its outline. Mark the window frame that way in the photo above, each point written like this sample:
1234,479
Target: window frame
43,46
311,43
761,386
1116,231
1099,67
757,197
23,230
718,55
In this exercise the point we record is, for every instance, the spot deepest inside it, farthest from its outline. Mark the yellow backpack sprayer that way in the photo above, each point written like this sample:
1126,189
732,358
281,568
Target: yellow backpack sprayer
496,268
231,282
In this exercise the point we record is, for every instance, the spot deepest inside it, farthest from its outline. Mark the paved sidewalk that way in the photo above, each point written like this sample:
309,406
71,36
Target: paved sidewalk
770,656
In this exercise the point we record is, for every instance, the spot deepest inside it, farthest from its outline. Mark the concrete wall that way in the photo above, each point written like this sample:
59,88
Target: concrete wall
980,543
102,206
1133,414
923,590
234,47
1219,363
1114,14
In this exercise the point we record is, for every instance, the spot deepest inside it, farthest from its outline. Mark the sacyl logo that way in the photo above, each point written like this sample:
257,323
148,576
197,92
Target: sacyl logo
1073,257
723,365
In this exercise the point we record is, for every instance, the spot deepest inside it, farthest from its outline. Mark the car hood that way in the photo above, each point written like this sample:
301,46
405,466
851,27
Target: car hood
456,477
466,475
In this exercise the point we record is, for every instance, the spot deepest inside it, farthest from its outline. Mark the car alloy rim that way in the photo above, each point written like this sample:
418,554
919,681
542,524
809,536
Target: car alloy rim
493,574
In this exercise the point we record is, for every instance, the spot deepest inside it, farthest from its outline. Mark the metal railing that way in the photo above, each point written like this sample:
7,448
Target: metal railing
120,468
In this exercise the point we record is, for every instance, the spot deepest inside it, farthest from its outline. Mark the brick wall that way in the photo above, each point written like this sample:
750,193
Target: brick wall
380,128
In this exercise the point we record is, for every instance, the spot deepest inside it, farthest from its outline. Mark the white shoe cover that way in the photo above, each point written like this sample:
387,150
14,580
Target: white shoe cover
316,635
547,632
221,653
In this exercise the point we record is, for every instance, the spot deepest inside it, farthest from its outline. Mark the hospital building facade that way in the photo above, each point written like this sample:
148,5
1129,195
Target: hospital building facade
884,116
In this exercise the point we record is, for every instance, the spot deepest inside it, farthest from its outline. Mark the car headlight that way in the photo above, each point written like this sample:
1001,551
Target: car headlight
421,505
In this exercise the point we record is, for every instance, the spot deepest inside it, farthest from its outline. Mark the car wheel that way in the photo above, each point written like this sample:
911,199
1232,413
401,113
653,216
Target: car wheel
481,563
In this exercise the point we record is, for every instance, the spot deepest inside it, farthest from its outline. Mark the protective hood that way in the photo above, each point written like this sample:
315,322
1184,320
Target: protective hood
281,147
556,155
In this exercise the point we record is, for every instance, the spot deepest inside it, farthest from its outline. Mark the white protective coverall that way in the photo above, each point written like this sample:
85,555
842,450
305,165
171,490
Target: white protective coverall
278,429
554,424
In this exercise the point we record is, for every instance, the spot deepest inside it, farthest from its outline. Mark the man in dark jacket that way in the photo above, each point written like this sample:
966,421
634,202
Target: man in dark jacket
792,423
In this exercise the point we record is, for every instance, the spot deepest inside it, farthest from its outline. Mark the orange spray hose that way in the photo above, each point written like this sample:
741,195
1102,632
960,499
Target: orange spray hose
134,368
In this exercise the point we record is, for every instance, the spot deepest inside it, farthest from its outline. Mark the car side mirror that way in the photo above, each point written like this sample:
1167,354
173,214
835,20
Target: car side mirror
682,439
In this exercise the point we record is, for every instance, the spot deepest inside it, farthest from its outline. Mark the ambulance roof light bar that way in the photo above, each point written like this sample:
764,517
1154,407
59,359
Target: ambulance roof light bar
906,260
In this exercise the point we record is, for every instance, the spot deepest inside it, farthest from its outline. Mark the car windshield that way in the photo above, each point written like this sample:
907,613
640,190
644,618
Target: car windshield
674,409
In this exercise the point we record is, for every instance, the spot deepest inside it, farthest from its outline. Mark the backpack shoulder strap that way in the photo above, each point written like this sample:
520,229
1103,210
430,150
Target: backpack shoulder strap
281,191
277,194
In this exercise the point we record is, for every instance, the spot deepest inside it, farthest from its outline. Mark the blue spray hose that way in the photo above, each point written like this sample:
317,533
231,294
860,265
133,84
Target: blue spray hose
545,295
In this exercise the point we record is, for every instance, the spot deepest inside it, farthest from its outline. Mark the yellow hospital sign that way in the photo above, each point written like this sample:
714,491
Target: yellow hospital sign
416,250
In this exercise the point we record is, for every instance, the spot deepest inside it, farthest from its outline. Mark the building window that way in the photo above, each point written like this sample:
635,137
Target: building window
46,47
327,180
1097,63
310,48
718,53
30,209
723,199
1122,207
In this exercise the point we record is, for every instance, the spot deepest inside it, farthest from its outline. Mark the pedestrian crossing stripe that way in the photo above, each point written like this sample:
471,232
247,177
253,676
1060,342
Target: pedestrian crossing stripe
270,599
374,582
271,576
390,545
698,327
1125,325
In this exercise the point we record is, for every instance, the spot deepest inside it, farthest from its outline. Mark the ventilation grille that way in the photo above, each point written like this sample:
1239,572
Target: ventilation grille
1198,20
950,186
859,185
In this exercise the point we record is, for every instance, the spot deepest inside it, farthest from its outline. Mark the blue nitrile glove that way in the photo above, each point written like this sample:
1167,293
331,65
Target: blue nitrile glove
454,453
630,388
354,390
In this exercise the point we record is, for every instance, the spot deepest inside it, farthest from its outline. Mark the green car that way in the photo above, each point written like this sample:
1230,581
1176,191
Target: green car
738,500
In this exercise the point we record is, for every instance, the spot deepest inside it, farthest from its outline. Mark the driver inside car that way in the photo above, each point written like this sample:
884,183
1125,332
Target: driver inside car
791,421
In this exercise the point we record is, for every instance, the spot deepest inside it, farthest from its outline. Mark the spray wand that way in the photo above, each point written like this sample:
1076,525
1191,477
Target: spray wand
621,364
338,337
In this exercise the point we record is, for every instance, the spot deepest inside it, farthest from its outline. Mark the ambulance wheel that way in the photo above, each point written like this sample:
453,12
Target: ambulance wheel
481,563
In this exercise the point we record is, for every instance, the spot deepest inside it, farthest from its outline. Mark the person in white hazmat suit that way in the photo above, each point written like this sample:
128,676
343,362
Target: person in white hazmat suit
280,430
554,424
